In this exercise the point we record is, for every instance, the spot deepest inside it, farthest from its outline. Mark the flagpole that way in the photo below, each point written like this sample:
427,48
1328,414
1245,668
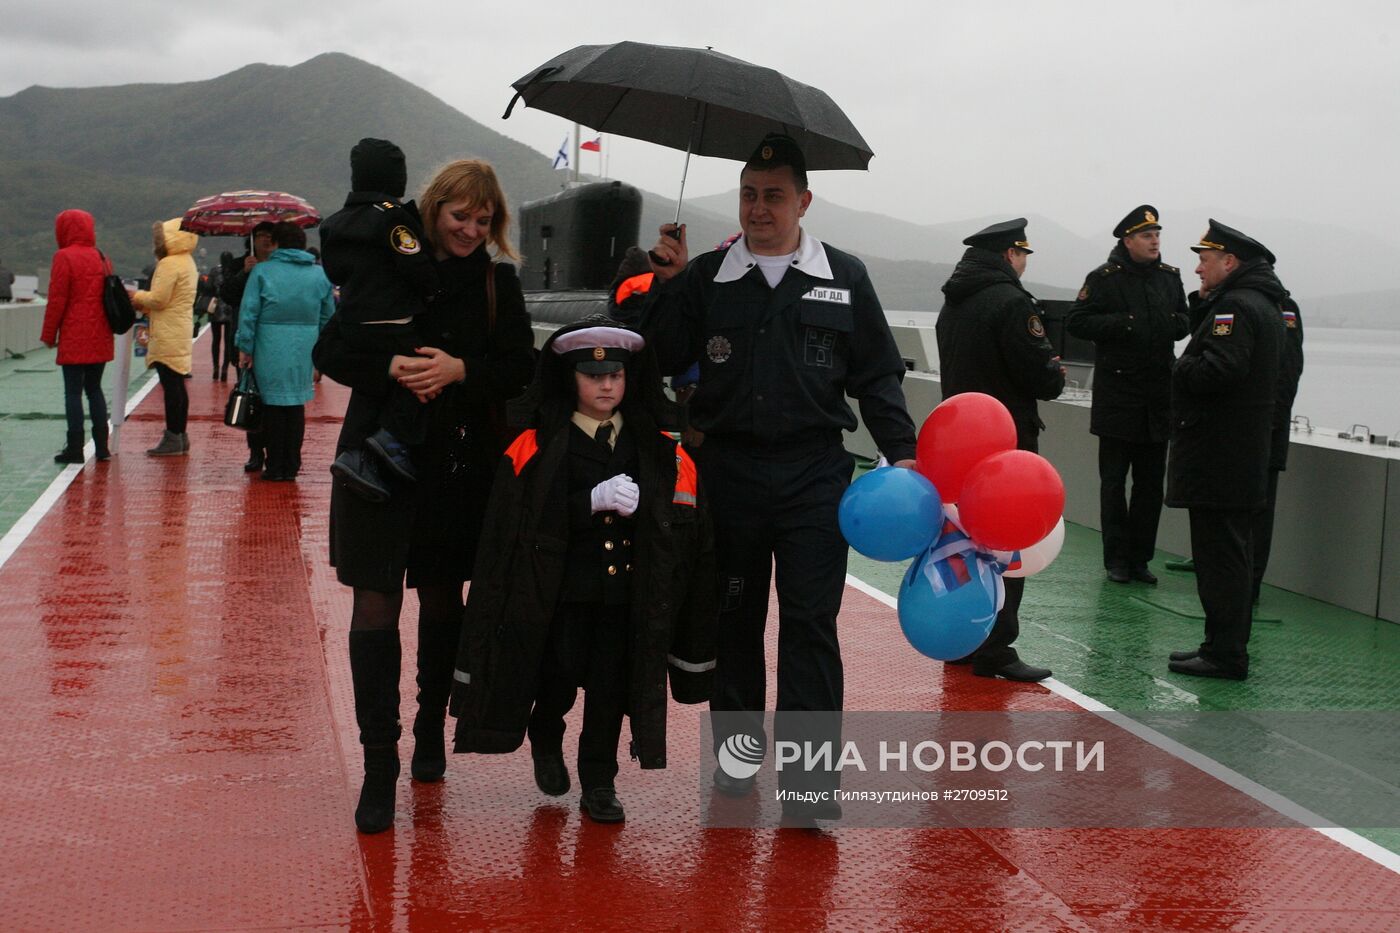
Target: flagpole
574,167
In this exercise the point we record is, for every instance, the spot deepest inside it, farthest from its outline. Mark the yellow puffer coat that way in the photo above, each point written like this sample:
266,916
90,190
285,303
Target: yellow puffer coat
170,302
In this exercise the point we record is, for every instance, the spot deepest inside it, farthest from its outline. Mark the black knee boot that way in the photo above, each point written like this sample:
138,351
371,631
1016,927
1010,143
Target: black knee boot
437,657
374,668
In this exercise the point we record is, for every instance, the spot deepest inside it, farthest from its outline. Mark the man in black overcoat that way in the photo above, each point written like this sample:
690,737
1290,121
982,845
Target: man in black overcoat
1134,309
991,339
1224,389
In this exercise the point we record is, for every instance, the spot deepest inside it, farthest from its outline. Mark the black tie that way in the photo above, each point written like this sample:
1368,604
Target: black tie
603,434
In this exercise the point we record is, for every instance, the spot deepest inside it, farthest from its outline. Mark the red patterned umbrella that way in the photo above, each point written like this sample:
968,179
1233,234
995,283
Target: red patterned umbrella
236,213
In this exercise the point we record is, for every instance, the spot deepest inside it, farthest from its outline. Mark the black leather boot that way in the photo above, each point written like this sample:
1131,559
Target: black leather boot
99,440
72,451
375,656
437,656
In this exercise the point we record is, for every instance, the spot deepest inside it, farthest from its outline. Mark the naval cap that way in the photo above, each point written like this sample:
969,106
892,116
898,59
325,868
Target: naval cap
1142,217
777,150
597,350
1229,240
1001,237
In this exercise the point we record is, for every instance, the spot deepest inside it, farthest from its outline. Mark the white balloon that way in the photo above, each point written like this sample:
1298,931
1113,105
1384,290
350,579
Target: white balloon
1038,556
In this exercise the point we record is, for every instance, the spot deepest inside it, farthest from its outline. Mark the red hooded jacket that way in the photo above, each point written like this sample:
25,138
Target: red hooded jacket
75,318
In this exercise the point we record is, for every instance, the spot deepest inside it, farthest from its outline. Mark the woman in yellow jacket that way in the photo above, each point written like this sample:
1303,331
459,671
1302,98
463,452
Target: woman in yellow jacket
170,306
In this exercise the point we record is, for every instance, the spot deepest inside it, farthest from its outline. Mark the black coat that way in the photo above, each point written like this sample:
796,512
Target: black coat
991,339
520,572
1290,371
1134,313
431,527
1224,389
373,248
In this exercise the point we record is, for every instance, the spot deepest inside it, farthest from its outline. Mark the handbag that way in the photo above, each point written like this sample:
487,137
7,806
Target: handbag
244,407
115,301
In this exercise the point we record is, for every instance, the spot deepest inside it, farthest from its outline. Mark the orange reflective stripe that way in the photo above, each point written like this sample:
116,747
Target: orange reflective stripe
522,449
687,479
636,285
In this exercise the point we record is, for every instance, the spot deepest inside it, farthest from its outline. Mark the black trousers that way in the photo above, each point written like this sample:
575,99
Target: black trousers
221,337
283,428
774,510
1130,527
1262,534
81,379
1220,545
996,651
177,398
588,648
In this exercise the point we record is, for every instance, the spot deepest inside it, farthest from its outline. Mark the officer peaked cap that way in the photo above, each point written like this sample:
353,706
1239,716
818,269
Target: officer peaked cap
597,350
1229,240
1001,237
1142,217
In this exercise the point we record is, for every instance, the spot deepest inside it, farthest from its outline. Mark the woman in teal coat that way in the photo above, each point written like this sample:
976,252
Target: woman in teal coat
286,303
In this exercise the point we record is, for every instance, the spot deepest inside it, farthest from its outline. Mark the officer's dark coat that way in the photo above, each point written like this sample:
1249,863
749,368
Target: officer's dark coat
1290,371
1224,389
991,339
1134,313
521,568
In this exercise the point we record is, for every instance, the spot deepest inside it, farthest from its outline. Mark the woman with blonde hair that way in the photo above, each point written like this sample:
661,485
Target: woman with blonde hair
169,303
480,355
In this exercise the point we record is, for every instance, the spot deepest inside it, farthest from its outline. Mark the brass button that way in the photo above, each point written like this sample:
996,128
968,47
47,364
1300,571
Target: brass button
607,545
607,519
629,568
626,543
612,571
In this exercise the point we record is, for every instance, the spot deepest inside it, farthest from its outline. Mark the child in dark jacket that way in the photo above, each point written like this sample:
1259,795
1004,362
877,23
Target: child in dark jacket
595,571
373,248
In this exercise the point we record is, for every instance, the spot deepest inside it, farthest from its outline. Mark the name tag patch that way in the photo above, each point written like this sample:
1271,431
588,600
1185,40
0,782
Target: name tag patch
835,296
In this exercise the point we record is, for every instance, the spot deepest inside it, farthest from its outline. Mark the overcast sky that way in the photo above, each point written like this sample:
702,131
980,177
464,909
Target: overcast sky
1073,110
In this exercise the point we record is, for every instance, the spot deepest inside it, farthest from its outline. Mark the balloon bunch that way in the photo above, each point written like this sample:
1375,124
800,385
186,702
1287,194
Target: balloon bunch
974,508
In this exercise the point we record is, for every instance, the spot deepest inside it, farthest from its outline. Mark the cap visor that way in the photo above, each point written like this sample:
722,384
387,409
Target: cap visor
599,367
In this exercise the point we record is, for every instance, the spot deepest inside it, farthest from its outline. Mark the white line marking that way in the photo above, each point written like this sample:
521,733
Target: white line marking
1275,801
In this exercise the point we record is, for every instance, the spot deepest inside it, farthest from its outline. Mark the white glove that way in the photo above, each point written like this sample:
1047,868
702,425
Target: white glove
618,494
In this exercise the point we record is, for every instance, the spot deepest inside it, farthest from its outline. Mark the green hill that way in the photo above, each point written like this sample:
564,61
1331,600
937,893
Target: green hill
143,152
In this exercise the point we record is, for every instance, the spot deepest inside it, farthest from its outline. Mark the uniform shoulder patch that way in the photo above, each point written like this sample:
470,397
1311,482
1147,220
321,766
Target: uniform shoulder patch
1224,325
1036,326
403,241
1083,293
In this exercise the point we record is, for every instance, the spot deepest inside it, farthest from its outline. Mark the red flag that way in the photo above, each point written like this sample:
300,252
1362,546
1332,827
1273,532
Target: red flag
593,145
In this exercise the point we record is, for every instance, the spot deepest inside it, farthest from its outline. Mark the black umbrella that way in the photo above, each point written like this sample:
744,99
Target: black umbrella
697,100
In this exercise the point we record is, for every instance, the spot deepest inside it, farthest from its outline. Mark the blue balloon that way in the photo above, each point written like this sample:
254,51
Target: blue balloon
949,598
891,514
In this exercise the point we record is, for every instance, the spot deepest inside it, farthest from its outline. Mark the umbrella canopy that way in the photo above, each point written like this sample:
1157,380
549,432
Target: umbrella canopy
697,100
236,213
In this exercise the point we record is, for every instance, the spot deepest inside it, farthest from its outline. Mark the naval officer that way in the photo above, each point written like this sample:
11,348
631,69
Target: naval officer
784,327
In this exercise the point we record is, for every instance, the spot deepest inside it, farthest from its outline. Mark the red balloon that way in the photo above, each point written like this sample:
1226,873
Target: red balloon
1011,500
957,435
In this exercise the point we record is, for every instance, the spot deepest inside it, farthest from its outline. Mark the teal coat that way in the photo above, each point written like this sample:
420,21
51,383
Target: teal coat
287,302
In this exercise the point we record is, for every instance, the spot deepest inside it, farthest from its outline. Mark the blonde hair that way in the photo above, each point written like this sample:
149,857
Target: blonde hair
475,182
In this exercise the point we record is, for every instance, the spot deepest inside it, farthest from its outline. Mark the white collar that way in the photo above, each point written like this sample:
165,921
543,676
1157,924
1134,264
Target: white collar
810,258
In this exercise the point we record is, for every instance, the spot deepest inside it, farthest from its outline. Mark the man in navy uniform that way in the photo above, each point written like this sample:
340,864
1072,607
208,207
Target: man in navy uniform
1224,388
784,327
991,339
1134,309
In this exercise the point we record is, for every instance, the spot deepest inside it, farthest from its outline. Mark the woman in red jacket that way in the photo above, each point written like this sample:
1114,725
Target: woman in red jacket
76,322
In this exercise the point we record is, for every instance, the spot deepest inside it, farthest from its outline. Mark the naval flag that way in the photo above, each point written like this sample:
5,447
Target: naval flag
561,158
593,145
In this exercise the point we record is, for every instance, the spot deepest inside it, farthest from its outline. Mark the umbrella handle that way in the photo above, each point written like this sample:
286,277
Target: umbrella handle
673,234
